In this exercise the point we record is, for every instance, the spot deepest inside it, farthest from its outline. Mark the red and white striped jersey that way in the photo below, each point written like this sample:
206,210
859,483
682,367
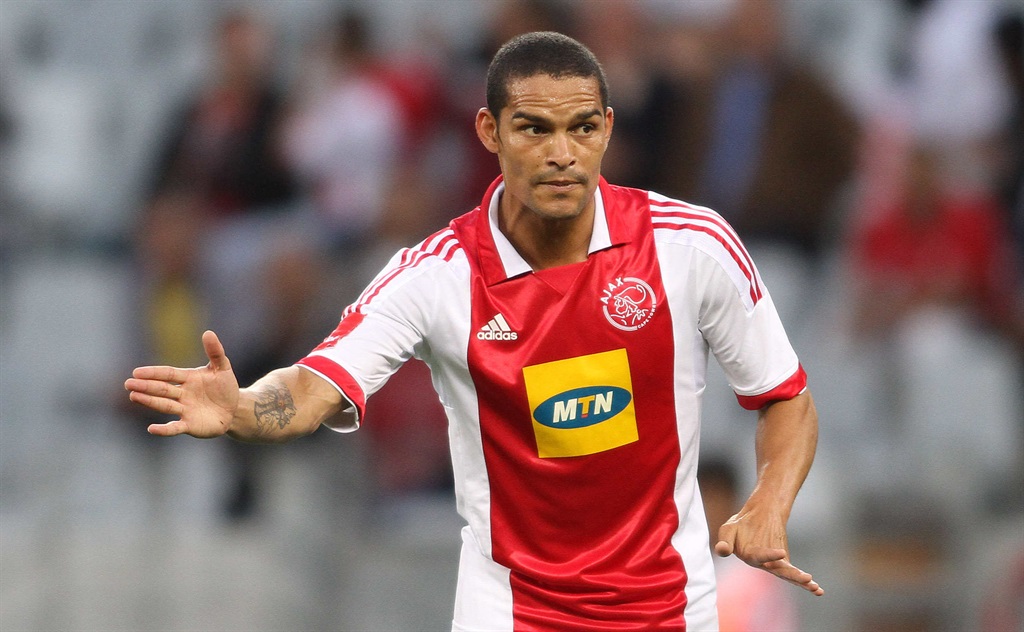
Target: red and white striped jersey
574,403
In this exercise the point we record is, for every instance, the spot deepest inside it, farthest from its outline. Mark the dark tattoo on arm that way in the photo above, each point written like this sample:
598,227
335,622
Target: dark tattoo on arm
274,407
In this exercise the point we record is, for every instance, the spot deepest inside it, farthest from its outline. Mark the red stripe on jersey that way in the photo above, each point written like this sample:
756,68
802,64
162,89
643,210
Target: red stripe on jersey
339,376
755,295
725,235
347,324
793,386
445,245
409,260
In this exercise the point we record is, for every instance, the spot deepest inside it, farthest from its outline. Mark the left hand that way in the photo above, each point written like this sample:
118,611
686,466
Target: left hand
760,541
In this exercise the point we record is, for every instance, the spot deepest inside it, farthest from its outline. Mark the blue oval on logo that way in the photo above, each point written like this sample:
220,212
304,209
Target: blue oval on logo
581,407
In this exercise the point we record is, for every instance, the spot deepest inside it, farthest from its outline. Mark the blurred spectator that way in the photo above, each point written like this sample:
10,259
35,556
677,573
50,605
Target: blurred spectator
773,144
963,88
345,134
931,237
935,300
904,546
222,146
749,599
222,141
956,86
935,247
220,168
646,102
167,242
682,52
1008,33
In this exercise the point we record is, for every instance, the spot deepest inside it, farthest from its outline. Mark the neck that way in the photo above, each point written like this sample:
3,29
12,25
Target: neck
542,242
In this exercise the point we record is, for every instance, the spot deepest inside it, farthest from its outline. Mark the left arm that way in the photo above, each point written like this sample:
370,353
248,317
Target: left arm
787,436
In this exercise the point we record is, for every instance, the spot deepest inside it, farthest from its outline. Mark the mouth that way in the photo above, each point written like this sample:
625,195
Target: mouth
561,184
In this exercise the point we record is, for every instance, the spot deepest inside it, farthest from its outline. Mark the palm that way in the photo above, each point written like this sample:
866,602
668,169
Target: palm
204,398
208,398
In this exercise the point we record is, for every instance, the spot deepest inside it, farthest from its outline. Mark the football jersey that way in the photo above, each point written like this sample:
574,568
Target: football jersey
574,403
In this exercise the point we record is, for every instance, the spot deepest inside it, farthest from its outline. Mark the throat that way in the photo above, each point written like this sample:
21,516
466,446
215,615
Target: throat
545,241
546,244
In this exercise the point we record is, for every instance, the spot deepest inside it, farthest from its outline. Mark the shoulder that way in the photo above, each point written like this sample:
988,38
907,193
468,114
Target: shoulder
418,271
441,250
678,222
673,221
681,227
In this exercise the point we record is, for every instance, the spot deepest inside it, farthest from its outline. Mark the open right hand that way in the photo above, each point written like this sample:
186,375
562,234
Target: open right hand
203,398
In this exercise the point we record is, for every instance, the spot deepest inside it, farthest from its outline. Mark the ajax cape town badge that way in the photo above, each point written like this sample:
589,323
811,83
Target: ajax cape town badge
629,303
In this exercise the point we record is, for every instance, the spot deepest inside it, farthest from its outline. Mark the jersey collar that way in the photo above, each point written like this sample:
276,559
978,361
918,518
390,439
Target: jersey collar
511,262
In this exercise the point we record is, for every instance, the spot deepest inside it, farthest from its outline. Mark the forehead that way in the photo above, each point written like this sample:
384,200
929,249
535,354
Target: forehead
545,95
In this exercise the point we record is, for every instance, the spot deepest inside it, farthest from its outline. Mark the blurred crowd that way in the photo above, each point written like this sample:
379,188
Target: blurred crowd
876,174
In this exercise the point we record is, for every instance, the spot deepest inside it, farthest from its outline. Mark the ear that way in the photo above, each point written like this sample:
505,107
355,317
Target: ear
609,123
487,130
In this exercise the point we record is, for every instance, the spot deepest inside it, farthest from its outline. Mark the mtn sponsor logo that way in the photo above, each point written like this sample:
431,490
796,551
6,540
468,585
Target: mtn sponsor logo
581,405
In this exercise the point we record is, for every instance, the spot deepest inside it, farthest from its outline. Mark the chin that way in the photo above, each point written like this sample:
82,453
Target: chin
559,208
555,214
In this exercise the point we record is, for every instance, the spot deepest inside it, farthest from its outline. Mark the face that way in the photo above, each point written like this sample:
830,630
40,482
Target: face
549,139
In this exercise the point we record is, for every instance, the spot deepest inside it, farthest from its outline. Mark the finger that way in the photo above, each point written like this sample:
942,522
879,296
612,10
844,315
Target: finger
154,388
215,352
169,429
159,404
726,540
785,570
161,373
760,556
810,586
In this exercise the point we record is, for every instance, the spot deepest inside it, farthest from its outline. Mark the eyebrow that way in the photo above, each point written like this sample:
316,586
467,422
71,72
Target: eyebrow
533,118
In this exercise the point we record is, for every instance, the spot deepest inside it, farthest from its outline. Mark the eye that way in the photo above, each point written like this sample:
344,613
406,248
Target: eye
533,130
586,129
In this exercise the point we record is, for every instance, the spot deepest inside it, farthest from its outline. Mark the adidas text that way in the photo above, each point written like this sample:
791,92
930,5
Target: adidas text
497,335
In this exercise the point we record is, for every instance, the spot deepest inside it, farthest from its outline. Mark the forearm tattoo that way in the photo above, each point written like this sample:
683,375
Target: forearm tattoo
274,407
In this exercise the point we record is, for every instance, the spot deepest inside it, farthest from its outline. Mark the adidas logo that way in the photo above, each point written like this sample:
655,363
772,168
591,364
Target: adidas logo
497,329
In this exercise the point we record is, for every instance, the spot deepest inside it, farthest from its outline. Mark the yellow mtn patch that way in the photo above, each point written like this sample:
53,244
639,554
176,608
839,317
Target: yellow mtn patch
581,405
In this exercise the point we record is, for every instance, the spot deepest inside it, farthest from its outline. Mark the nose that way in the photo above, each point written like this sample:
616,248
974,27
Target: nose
560,152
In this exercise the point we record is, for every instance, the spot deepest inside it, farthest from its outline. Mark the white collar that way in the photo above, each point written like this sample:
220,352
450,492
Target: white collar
513,262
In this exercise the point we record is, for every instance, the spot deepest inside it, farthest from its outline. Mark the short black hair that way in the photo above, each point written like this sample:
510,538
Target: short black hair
540,53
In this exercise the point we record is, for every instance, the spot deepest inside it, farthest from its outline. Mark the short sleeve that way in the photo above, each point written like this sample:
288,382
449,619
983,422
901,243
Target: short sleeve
748,340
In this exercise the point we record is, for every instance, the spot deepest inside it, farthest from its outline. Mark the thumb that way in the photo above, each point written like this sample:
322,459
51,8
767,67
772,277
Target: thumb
726,540
215,352
169,429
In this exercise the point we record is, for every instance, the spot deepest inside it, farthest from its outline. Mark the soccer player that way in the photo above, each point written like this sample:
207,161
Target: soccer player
567,324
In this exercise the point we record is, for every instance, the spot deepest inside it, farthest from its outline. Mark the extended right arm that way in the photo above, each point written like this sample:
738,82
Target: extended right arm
285,404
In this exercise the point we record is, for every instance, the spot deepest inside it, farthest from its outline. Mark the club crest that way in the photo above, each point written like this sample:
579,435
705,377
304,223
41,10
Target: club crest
629,303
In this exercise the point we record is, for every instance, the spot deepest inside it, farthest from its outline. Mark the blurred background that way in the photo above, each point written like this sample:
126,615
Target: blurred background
247,166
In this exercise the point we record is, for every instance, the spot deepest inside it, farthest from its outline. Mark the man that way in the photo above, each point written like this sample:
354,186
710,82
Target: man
566,322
